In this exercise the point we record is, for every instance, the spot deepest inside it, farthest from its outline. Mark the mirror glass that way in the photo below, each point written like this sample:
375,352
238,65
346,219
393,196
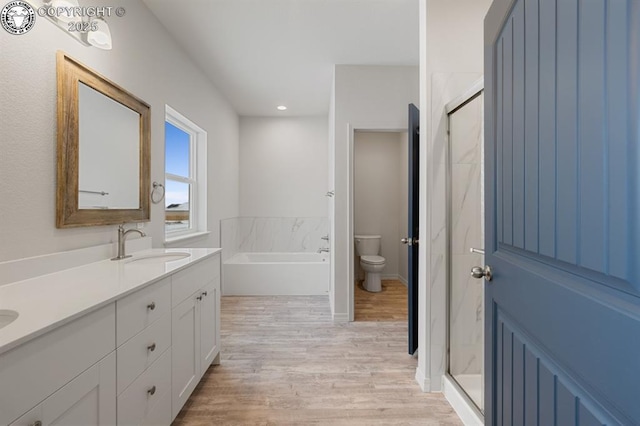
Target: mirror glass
108,152
104,150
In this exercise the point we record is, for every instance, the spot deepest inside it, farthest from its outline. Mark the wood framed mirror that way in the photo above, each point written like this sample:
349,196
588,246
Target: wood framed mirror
103,152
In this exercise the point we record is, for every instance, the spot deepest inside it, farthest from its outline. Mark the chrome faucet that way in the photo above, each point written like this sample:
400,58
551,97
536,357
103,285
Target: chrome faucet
122,236
323,250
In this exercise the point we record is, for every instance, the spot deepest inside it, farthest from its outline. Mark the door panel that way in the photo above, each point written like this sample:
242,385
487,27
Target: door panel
561,152
413,227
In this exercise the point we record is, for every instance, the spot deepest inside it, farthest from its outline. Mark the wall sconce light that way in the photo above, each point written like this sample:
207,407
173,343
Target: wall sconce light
87,30
101,36
63,4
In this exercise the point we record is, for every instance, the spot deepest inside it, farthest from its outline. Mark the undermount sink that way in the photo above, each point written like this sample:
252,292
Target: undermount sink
7,317
159,257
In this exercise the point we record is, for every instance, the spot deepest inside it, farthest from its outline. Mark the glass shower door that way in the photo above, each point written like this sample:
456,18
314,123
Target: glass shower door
466,234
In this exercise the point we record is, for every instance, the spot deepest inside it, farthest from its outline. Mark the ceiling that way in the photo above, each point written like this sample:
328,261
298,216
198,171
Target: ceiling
264,53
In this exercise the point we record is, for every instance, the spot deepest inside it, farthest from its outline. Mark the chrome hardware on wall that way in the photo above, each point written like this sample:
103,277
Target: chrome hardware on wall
36,423
152,390
93,192
199,297
326,238
151,306
409,241
330,194
151,347
480,272
154,193
476,250
204,294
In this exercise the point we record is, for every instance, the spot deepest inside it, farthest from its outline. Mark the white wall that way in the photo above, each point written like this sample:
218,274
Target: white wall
366,98
403,228
451,59
378,199
283,166
147,63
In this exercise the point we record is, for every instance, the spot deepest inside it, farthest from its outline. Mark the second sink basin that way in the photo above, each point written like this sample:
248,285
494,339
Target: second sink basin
159,257
7,317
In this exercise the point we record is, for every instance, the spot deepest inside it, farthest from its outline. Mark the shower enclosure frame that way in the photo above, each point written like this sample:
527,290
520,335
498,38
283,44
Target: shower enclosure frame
476,90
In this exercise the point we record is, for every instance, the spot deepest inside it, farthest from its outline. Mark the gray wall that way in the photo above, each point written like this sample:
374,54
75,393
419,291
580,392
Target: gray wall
147,63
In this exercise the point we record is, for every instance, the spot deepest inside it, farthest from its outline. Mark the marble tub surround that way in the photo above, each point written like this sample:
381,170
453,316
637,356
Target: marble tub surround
272,234
49,301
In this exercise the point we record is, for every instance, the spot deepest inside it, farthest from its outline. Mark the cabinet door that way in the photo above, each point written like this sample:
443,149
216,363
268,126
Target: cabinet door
209,314
185,347
89,399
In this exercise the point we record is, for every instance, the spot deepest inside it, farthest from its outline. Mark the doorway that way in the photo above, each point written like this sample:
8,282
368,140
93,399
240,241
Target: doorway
465,229
380,221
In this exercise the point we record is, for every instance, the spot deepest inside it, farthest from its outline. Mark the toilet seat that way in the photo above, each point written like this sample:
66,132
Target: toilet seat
373,260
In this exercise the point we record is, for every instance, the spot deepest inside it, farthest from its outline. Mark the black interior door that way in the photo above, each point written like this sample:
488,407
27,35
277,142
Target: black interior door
412,238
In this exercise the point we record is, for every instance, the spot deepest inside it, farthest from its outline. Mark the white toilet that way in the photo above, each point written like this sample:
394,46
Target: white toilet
368,248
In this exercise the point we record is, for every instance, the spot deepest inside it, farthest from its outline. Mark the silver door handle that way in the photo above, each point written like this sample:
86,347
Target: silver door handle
476,250
409,241
480,272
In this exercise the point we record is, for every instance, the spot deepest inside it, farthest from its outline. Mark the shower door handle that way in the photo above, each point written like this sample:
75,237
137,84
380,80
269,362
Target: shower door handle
480,272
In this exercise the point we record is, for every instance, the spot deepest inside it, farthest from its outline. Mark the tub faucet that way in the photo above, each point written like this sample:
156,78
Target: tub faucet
323,250
122,236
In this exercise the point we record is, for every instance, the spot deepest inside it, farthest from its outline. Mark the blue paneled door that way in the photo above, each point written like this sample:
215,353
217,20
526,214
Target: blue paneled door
562,150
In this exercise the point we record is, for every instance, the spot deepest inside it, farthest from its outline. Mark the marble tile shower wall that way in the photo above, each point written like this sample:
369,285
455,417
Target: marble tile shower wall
466,303
445,87
272,234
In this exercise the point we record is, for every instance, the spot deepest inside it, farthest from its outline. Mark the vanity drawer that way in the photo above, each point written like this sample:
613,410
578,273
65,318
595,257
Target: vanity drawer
142,350
35,370
138,406
140,309
187,282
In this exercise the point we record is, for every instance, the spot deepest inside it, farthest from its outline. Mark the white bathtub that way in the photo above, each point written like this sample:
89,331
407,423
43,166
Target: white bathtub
276,274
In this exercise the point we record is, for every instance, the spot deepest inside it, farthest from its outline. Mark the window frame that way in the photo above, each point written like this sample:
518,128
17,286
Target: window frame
197,176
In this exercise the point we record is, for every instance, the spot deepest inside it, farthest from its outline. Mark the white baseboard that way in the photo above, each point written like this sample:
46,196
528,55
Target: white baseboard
340,317
462,407
423,380
403,280
393,277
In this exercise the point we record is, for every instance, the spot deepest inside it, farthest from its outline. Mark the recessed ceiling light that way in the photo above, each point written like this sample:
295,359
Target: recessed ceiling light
281,108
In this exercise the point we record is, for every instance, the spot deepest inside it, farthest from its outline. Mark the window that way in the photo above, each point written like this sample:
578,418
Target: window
185,177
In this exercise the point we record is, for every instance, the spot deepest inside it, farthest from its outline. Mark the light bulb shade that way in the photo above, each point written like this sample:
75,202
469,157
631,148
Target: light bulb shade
101,37
63,5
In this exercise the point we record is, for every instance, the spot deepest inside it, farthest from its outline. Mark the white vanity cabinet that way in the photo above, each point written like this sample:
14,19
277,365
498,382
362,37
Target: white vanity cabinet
195,328
132,358
144,360
89,399
62,376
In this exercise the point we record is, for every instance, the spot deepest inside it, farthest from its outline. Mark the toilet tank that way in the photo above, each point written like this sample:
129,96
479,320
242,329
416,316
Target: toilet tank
368,245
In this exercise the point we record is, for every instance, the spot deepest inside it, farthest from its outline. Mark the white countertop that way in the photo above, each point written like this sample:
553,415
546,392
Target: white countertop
49,301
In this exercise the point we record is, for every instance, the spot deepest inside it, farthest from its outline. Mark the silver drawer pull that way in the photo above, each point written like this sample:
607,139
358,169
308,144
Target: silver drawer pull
152,390
151,306
151,347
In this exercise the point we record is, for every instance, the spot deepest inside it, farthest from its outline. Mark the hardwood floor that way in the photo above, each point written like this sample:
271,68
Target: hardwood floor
388,305
285,362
